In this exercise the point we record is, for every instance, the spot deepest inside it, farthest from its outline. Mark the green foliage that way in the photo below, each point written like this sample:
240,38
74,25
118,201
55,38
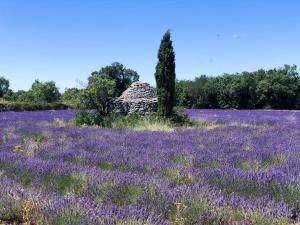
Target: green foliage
8,95
105,165
113,120
21,96
126,194
276,89
103,86
40,93
177,176
183,159
134,121
165,76
45,91
279,88
4,86
179,119
87,118
98,94
183,93
289,194
71,96
68,217
74,182
122,76
151,121
31,106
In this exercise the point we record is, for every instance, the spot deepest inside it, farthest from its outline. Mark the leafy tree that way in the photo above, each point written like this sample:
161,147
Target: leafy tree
98,94
279,88
4,86
8,95
45,91
248,84
183,93
23,96
275,88
165,76
228,90
71,95
203,93
122,76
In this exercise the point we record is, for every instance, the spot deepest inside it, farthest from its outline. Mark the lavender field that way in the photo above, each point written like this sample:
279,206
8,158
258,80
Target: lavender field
243,169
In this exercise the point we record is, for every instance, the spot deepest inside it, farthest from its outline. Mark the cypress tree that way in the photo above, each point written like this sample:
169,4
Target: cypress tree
165,76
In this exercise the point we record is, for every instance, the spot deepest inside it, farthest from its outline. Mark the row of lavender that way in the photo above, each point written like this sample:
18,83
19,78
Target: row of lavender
245,173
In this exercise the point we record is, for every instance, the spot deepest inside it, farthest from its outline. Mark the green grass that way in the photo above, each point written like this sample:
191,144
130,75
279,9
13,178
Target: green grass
289,194
209,163
249,165
105,165
182,159
137,122
76,159
126,194
178,177
64,184
151,121
134,121
266,163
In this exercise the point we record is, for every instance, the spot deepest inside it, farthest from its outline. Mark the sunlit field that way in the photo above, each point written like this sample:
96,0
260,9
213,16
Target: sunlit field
244,169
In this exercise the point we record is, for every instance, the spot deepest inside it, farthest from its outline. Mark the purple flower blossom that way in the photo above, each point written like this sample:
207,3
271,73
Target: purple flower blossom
246,170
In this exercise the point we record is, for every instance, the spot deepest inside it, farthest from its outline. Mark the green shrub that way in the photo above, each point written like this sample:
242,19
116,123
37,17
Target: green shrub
87,118
126,194
181,119
152,121
31,106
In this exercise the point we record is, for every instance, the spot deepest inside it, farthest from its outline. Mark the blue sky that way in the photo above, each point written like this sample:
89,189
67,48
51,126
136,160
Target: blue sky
65,40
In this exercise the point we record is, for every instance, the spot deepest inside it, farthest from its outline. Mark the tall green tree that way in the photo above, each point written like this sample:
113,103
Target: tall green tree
4,85
165,76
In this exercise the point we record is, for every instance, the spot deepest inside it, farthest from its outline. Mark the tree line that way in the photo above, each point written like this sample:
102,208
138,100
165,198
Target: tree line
103,85
277,88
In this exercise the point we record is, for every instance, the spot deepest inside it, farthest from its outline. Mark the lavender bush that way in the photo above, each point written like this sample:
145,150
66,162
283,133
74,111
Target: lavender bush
245,170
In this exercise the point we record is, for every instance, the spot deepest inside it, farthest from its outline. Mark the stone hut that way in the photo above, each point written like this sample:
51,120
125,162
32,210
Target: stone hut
139,98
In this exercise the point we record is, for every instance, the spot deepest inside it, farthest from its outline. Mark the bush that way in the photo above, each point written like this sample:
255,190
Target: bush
87,118
30,106
179,118
151,121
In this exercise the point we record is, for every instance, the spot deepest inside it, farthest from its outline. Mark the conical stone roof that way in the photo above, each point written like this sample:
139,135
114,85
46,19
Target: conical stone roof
139,98
138,90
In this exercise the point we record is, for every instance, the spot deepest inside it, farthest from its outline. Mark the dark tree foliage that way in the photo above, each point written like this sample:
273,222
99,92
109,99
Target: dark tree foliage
23,96
40,92
183,93
165,76
275,88
98,94
45,91
122,76
71,95
4,86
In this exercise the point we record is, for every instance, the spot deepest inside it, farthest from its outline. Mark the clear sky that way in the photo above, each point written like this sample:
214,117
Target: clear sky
65,40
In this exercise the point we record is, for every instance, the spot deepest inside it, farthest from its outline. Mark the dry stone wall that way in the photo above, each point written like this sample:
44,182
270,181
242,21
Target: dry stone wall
139,98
